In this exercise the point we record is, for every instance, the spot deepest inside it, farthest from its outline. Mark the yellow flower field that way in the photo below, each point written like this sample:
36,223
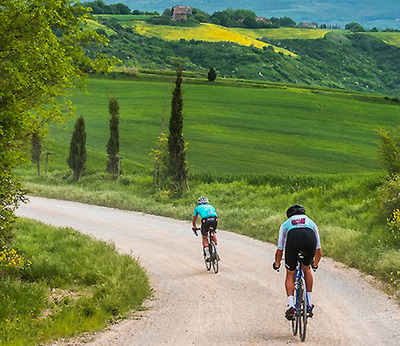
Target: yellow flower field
204,32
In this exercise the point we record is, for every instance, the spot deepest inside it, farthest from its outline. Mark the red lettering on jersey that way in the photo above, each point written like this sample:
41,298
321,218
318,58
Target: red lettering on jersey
301,221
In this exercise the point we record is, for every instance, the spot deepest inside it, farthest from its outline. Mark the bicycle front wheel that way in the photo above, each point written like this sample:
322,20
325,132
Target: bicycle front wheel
208,263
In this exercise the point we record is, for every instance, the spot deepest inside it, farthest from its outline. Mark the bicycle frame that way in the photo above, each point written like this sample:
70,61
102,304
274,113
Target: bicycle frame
299,279
302,303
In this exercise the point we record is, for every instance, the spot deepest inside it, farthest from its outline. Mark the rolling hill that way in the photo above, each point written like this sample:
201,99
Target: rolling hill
370,13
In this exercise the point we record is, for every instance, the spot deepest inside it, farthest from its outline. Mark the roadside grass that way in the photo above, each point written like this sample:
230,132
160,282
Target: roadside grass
241,130
75,284
344,206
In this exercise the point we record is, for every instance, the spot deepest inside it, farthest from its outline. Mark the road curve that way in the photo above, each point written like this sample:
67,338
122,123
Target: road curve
244,304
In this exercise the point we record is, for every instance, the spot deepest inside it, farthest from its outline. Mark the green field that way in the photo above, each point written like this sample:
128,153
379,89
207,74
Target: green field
253,149
240,130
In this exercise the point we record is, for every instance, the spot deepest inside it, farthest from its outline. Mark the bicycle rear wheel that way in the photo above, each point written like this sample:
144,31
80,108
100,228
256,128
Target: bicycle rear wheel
303,315
214,258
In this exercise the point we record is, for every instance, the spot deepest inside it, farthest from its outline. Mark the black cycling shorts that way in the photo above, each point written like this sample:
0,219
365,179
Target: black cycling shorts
300,239
208,222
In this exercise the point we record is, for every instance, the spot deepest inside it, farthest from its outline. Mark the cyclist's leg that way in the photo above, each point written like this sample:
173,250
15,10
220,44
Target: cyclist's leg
204,233
309,243
291,251
214,224
289,282
308,277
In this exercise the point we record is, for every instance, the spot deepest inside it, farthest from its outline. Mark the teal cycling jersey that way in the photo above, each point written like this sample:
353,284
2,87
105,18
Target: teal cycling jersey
205,210
297,221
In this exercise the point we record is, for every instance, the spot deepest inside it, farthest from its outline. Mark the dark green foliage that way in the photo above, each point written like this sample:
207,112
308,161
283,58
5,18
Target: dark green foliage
354,27
177,169
389,145
113,142
36,150
99,7
212,74
77,150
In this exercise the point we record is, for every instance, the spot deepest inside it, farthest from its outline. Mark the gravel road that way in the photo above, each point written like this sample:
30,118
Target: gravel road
243,304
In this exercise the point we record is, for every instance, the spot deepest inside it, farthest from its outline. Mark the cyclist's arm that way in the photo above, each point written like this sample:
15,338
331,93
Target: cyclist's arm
281,244
317,258
278,257
194,220
318,253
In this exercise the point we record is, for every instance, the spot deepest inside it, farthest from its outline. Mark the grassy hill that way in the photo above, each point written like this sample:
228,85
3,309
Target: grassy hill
252,129
334,58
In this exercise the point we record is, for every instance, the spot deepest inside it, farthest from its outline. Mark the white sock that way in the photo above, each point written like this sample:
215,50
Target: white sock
207,251
291,301
309,295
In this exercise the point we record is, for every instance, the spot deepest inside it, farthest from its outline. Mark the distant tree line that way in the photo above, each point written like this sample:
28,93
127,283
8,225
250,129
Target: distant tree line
229,18
99,7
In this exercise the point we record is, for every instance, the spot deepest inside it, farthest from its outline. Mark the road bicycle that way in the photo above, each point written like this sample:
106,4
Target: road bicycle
213,261
302,308
301,303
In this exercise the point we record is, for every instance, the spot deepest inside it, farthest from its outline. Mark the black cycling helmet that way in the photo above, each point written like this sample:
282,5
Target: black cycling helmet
296,209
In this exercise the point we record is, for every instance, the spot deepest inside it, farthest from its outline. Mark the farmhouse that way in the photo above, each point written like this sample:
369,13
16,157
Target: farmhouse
263,19
308,25
180,12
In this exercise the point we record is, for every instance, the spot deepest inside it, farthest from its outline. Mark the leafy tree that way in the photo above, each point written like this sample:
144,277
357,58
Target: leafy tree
354,27
77,149
390,149
36,150
122,8
42,54
160,169
177,169
287,22
212,74
113,142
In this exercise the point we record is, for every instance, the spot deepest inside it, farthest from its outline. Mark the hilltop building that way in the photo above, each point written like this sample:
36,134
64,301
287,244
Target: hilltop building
308,25
180,12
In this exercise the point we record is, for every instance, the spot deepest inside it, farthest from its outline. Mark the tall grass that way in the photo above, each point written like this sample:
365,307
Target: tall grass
75,284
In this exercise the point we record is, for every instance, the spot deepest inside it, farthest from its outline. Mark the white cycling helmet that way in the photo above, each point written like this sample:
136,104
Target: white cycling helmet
202,200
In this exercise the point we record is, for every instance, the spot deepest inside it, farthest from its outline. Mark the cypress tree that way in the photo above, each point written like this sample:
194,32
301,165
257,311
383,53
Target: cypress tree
113,142
212,74
176,145
77,149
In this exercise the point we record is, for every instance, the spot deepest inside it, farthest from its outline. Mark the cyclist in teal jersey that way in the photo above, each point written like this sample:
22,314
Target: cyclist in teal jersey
209,218
298,234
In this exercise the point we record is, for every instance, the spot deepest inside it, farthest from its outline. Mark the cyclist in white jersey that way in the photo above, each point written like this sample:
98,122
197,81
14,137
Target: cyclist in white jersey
209,218
298,233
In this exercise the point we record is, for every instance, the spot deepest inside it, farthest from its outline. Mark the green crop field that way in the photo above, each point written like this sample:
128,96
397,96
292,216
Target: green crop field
392,38
237,130
285,33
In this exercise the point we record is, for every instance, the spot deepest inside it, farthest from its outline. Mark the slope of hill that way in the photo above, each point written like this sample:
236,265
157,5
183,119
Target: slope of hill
243,130
338,59
369,13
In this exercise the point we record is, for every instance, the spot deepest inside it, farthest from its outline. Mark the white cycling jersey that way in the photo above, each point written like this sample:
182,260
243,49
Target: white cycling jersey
296,221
